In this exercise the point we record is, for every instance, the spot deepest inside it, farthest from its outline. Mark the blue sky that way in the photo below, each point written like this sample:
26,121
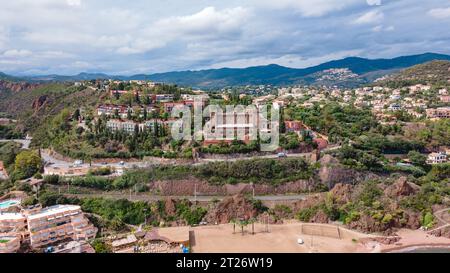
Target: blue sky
148,36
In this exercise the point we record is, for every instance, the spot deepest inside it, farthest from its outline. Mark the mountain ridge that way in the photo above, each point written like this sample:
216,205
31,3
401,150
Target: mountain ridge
267,74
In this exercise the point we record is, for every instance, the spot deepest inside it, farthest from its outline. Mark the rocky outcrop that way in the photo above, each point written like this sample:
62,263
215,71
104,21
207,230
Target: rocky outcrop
170,207
342,193
187,187
368,224
382,240
443,232
412,220
235,207
39,102
401,188
17,86
309,202
320,218
332,172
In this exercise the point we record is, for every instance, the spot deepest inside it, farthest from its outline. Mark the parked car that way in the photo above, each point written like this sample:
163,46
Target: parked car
281,155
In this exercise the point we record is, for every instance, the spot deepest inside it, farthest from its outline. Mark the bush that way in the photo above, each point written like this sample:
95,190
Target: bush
428,220
306,214
51,179
100,171
100,246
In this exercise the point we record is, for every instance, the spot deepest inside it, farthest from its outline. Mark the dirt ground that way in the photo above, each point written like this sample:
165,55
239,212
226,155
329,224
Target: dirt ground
280,239
415,238
283,239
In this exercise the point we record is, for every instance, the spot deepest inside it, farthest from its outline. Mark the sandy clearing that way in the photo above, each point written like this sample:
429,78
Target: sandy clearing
280,239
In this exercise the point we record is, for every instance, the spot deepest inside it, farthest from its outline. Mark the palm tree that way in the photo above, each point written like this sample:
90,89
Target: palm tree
233,221
252,221
243,223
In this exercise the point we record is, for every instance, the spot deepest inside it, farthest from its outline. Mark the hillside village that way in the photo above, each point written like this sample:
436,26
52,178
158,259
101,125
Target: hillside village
389,139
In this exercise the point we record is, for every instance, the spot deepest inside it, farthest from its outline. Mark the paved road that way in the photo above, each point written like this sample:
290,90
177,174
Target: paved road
49,159
25,142
147,197
146,164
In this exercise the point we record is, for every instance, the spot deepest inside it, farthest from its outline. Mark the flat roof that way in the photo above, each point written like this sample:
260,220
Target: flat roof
8,238
130,239
11,216
53,210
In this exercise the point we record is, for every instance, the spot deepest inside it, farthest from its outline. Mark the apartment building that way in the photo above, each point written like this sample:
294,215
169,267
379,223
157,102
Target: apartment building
57,223
111,110
12,222
14,225
445,99
118,92
442,112
162,97
204,97
169,106
419,87
228,126
121,110
127,126
9,244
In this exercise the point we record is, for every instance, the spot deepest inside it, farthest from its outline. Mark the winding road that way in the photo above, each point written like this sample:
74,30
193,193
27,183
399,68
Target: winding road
438,216
24,142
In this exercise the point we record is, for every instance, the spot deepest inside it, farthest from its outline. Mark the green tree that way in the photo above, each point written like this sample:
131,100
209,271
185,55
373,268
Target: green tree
101,247
417,159
27,164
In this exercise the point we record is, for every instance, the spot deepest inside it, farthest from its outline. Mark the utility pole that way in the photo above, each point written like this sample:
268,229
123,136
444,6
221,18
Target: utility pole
145,217
195,194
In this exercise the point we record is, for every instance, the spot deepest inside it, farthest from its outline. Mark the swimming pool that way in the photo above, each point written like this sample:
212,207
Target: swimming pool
9,203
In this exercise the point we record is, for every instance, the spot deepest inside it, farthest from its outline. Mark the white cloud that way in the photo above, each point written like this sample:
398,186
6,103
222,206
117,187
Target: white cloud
17,53
380,28
208,19
374,2
440,13
74,2
371,17
208,24
290,60
310,8
169,35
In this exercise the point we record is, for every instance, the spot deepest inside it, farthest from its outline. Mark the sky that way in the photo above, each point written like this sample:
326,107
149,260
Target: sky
123,37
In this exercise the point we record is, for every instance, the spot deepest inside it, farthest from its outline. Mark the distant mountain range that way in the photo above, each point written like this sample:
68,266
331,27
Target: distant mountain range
346,72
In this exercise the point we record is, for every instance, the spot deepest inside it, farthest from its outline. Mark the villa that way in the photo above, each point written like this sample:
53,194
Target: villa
438,113
437,158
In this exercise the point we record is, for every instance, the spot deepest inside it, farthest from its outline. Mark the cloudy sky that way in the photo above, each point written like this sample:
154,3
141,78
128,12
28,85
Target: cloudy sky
148,36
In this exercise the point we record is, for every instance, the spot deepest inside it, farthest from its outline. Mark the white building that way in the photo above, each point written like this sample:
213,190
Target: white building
437,158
